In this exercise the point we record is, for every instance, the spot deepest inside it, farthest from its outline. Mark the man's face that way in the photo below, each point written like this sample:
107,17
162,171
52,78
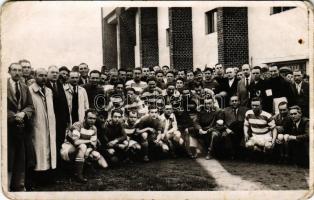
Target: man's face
74,78
208,103
256,107
132,117
179,84
165,69
198,90
234,102
117,102
156,68
16,72
119,88
274,72
230,73
129,75
116,118
283,110
236,70
190,76
170,77
41,77
131,95
246,70
256,74
168,110
152,85
26,68
295,115
64,75
219,70
160,77
297,76
83,69
170,90
145,71
122,75
94,79
152,73
53,74
208,75
153,113
103,79
181,74
137,75
239,75
199,76
289,77
91,119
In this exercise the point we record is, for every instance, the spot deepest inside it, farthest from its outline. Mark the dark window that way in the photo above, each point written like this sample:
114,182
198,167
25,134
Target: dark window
275,10
211,21
167,37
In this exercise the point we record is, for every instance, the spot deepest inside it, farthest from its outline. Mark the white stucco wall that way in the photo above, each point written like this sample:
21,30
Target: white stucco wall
163,24
274,38
205,46
51,33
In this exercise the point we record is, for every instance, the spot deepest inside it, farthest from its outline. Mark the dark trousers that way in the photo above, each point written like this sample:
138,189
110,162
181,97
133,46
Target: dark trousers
16,162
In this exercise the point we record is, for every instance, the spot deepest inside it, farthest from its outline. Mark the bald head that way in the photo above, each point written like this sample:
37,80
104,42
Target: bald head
230,73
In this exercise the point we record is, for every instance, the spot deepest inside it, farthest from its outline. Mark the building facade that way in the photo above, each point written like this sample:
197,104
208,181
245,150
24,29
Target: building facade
191,37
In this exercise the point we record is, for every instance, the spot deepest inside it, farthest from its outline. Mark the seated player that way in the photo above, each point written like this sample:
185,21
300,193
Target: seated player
204,129
260,130
112,138
80,144
129,128
171,133
147,129
296,137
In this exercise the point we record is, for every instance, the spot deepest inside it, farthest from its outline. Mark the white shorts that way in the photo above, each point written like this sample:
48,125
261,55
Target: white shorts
260,140
66,150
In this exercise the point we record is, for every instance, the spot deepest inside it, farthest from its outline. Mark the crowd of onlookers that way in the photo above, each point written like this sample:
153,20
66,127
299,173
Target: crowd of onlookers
58,116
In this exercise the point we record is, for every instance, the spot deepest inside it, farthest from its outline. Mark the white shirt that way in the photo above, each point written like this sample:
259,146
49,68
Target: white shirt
298,86
297,123
231,82
12,84
248,80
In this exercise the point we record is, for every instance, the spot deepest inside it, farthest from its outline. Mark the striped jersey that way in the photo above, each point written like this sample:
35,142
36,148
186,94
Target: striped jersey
260,124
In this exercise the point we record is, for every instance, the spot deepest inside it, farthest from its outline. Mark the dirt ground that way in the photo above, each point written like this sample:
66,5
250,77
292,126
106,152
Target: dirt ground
183,174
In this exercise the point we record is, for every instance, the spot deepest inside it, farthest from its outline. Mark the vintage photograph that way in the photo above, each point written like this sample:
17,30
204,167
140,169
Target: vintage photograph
156,96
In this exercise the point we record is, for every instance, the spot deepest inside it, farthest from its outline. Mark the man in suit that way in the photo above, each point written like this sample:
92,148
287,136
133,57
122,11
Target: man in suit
220,91
234,116
26,69
20,110
95,92
243,85
231,88
301,92
83,69
278,89
60,106
296,136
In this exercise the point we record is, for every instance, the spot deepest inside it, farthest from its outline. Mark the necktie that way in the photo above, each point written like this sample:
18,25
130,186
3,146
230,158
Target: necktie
247,82
235,113
74,111
17,92
55,87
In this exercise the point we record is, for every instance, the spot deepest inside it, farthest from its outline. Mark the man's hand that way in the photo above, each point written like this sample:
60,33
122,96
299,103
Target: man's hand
112,143
19,117
202,132
292,137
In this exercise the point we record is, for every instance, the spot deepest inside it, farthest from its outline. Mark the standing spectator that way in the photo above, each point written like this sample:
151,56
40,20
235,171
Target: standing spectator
243,85
77,98
165,69
83,69
145,73
231,89
95,93
156,68
26,70
278,89
257,87
170,77
122,75
20,111
64,75
239,75
289,77
136,83
301,93
44,123
60,105
129,75
208,81
181,73
160,80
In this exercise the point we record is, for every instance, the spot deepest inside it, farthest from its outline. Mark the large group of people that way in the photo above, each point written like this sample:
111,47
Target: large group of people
57,116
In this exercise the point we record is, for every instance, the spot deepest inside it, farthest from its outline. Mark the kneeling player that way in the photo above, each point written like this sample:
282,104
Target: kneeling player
147,130
80,144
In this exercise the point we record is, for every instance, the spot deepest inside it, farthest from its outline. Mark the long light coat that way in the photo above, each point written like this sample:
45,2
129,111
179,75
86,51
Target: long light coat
44,129
83,104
